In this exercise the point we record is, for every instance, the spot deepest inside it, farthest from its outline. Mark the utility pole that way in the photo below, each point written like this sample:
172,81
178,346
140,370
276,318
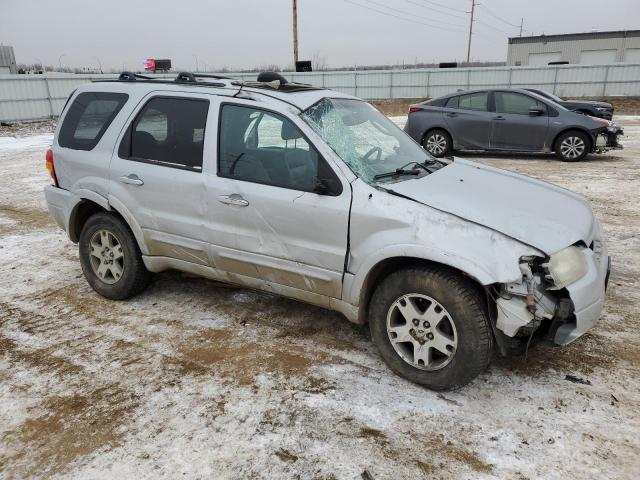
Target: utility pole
295,33
473,7
521,22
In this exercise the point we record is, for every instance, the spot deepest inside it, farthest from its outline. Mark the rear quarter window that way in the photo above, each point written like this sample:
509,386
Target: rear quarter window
88,118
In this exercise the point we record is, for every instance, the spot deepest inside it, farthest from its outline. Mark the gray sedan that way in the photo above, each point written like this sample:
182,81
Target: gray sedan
508,120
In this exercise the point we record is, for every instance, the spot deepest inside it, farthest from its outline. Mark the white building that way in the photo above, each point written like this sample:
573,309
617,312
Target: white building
7,60
595,48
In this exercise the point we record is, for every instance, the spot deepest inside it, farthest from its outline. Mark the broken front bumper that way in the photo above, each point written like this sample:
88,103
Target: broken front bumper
569,316
587,295
608,139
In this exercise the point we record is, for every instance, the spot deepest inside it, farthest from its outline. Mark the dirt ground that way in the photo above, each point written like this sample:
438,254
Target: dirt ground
194,379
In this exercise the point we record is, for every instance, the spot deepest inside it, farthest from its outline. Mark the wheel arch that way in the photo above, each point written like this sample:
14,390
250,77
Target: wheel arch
571,129
86,207
392,264
436,127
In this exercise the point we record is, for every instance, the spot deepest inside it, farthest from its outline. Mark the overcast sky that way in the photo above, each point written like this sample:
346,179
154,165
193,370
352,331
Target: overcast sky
248,33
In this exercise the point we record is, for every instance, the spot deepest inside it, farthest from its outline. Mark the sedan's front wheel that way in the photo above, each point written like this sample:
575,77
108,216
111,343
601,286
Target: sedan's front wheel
431,327
438,143
572,146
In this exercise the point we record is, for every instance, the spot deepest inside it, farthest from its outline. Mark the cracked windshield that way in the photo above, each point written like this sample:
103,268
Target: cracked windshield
366,140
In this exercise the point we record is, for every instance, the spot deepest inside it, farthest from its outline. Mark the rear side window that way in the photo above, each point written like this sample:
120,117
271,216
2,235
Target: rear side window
168,131
473,101
88,118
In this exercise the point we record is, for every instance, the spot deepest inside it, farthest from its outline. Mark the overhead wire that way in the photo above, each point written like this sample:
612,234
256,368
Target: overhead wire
404,12
398,17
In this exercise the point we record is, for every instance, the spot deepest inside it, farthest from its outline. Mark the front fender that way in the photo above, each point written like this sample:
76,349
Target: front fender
384,226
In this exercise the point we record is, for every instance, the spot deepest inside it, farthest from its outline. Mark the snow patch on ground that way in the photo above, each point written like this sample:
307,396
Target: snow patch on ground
197,380
26,143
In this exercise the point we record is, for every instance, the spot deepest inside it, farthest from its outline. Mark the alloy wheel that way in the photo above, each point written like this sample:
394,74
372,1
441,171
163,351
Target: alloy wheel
572,147
436,144
106,256
422,332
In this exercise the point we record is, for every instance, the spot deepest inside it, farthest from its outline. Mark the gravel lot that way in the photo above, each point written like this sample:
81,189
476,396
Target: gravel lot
201,380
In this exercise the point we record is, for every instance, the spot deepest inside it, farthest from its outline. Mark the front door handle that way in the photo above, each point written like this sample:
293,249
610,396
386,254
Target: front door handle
233,199
452,114
131,179
499,117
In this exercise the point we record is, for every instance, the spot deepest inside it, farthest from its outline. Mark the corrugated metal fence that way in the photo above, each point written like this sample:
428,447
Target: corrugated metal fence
31,97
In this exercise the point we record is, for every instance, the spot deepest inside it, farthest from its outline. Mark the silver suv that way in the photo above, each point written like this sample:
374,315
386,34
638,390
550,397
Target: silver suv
317,196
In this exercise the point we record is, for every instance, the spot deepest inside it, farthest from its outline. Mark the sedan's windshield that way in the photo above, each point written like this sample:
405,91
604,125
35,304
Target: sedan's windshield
367,141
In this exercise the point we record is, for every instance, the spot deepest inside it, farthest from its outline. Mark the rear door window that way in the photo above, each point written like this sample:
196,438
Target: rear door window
168,131
88,118
473,101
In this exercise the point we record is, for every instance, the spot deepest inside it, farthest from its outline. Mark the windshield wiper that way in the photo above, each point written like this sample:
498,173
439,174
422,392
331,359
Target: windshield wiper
397,172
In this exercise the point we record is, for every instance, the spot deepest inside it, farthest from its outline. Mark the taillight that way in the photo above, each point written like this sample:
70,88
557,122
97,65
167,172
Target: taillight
51,168
414,109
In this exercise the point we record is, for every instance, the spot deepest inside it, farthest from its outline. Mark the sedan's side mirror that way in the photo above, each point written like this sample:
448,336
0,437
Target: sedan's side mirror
327,186
536,112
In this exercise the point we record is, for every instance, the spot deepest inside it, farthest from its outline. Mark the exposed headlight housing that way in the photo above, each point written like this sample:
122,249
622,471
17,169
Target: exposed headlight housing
566,267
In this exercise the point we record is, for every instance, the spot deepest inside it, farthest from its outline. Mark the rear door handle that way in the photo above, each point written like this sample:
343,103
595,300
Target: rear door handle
499,117
131,179
452,114
233,199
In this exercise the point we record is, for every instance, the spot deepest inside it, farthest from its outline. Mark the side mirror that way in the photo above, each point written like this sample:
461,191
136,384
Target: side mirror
327,186
536,112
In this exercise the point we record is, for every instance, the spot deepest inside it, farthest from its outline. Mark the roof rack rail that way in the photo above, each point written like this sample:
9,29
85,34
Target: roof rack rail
132,77
182,78
209,75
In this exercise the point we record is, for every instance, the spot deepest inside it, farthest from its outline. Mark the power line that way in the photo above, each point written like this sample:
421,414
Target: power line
519,26
398,17
495,28
411,14
484,7
432,9
443,6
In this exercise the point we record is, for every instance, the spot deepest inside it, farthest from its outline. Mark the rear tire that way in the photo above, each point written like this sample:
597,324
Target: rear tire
446,310
572,146
110,257
438,143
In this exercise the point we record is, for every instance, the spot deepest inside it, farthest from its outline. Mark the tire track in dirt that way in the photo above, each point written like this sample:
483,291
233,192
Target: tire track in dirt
23,219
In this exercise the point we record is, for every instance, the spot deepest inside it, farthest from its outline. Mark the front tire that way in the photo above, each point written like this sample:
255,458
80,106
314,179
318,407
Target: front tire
438,143
110,258
431,327
572,146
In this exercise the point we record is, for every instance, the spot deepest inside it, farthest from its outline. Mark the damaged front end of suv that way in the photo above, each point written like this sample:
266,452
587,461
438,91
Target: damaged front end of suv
559,297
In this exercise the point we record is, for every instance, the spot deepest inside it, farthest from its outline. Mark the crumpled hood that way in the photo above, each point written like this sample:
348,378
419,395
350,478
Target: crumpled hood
536,213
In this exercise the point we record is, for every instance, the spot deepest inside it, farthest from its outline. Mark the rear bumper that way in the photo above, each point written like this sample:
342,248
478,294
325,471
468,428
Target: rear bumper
58,203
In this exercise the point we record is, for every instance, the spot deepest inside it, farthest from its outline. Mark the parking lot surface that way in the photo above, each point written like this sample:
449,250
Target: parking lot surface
203,380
